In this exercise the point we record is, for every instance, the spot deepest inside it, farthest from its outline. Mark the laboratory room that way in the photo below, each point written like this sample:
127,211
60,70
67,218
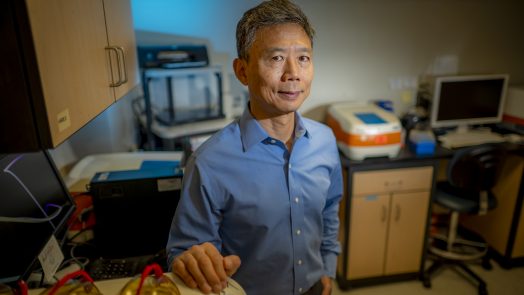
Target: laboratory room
262,147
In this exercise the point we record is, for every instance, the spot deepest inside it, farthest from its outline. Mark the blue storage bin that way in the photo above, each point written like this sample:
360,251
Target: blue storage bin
422,142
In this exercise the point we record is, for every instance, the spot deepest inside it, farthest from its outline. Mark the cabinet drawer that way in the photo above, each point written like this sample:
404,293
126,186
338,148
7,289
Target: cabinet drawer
381,181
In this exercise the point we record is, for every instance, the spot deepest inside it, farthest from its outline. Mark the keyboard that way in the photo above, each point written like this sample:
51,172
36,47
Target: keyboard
469,138
105,269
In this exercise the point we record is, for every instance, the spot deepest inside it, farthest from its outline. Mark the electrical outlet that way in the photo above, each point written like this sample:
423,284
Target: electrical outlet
406,96
402,83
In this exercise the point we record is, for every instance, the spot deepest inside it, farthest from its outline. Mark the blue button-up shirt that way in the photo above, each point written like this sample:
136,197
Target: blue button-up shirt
277,210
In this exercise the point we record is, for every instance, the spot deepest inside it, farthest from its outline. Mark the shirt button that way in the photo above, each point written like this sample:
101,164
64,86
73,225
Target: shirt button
299,262
289,166
298,232
296,200
272,141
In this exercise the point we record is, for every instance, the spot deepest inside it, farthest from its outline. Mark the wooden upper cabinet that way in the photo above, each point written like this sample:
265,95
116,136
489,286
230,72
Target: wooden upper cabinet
70,39
121,35
68,67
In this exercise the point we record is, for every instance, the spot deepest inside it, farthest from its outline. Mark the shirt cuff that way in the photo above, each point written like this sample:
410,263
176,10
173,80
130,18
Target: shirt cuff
330,265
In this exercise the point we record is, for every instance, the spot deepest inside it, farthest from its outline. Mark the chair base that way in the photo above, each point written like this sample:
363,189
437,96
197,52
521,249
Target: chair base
450,241
453,246
441,263
462,249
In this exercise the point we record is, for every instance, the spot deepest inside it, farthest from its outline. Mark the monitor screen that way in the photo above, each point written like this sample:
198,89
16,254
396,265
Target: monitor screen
468,100
34,206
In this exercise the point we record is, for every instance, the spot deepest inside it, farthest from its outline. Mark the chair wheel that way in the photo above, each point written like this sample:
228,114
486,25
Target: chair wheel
343,284
426,283
486,264
483,290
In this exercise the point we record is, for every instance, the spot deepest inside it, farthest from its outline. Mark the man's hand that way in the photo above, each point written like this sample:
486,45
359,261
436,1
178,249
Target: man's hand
326,285
204,267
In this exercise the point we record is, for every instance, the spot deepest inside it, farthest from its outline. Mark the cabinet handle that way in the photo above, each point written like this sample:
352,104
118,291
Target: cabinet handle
121,49
115,50
397,212
384,213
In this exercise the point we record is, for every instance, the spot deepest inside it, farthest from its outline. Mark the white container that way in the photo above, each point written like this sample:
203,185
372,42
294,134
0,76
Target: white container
365,130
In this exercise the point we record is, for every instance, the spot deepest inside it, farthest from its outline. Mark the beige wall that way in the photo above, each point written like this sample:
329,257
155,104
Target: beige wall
364,50
371,49
365,46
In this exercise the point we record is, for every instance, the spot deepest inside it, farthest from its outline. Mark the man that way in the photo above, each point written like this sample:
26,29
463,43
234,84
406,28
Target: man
260,197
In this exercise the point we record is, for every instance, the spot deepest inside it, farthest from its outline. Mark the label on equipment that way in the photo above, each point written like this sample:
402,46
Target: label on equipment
169,184
63,120
50,258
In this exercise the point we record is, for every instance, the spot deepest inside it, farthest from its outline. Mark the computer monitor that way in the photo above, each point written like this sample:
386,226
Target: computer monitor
34,206
463,101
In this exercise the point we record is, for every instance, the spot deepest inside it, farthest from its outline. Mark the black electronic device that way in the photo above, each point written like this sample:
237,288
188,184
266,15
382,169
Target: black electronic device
172,56
468,100
34,206
134,208
114,268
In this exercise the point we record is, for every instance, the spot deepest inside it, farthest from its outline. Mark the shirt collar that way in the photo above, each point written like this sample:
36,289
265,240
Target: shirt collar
252,133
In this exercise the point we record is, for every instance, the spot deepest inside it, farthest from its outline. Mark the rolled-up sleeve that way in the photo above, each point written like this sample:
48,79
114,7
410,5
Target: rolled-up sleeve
330,247
196,219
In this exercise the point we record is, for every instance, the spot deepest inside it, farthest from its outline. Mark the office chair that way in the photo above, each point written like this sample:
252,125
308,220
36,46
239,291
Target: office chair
471,174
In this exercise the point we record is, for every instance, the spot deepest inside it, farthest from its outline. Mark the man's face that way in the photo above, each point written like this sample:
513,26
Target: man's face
279,71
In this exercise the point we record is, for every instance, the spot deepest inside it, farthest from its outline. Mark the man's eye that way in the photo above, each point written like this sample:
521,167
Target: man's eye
277,58
304,58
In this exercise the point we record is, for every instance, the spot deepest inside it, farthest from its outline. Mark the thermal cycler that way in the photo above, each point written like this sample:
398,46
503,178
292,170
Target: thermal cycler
364,130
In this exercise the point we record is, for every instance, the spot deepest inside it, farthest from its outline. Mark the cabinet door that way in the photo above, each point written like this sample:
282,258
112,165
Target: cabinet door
120,33
70,39
407,226
367,235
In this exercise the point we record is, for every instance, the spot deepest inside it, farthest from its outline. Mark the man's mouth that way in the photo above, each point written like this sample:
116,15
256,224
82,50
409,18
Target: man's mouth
290,94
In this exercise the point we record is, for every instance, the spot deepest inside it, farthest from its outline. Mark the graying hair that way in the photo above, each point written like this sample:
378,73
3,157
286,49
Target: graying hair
272,12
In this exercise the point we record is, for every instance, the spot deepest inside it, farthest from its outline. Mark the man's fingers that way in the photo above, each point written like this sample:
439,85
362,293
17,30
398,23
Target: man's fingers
217,261
207,259
193,268
202,266
231,264
179,268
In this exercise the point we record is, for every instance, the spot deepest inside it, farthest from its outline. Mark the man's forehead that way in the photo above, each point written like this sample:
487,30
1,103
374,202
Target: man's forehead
296,48
282,36
273,30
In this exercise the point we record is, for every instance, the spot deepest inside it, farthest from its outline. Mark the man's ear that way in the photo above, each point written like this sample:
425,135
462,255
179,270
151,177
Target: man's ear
239,66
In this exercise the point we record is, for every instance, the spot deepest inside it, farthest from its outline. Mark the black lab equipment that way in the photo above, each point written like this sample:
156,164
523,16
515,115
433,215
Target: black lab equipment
134,208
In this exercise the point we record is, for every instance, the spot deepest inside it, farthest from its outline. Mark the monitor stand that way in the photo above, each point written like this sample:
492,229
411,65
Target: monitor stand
465,128
462,129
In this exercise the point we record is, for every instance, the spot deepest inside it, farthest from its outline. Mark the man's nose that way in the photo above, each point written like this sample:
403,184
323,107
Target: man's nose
290,71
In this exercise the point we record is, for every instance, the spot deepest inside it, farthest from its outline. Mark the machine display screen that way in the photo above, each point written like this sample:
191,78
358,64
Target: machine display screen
370,118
